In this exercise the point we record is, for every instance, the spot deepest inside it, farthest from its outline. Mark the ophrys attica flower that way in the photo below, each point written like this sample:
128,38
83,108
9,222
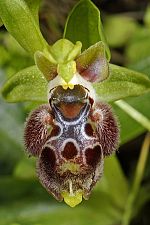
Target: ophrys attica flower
74,132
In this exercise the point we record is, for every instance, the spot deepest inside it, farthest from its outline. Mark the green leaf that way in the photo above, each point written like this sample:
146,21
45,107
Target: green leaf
122,83
132,129
20,19
27,85
84,24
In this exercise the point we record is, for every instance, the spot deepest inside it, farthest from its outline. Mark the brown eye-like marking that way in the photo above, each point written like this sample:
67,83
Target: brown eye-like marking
93,155
70,150
48,157
55,131
89,130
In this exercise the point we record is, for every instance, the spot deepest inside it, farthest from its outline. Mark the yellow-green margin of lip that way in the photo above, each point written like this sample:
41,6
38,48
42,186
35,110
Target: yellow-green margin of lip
72,199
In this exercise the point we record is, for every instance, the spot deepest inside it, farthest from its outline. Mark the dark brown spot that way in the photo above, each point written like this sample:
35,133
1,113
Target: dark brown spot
55,131
70,151
48,157
89,130
93,155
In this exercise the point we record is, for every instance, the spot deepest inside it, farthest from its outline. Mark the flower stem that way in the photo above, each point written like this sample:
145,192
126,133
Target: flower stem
140,118
137,181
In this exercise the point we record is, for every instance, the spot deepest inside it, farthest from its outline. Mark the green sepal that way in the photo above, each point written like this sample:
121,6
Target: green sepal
58,59
27,85
64,50
48,68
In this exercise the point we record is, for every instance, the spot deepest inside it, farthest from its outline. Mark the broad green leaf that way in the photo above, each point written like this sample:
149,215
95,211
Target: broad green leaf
84,24
119,29
20,20
132,129
27,85
122,83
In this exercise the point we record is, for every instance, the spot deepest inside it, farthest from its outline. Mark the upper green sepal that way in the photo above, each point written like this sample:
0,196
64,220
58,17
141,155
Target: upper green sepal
64,50
58,59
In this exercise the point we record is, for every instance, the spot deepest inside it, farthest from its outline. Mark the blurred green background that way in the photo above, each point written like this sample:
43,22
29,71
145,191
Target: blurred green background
23,201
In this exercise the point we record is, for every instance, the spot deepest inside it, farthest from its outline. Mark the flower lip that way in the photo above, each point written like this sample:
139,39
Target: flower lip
70,180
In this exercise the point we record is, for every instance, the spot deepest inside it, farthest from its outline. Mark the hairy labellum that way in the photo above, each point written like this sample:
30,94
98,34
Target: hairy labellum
71,136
